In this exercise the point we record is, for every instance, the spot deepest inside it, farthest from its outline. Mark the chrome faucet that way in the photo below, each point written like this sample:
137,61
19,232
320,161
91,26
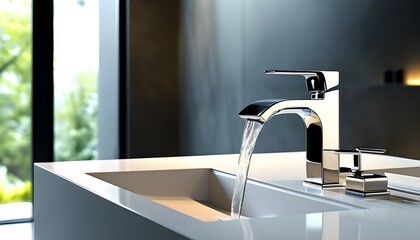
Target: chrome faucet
321,117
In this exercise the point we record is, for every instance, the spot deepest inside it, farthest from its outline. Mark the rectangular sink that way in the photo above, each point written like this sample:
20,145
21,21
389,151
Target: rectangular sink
206,194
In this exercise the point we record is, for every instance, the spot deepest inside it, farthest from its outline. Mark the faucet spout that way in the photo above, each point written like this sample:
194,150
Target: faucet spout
321,119
264,110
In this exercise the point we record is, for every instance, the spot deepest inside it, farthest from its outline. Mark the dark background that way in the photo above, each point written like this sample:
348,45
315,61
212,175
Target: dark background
195,64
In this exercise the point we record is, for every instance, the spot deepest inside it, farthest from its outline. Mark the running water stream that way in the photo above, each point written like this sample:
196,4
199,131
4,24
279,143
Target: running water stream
249,138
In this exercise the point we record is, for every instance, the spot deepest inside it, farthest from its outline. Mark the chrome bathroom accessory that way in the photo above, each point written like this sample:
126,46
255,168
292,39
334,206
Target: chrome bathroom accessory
321,117
363,183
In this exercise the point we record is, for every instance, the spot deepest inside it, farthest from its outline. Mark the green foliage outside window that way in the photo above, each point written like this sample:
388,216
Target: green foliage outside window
15,102
75,120
75,116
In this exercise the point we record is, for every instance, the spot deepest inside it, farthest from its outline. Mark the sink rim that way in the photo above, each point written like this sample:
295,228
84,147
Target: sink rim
278,189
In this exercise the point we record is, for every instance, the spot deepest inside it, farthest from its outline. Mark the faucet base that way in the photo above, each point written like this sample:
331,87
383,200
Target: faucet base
317,184
367,185
384,194
327,174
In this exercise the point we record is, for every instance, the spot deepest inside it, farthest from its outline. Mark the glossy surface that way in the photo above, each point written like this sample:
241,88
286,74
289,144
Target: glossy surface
206,194
320,116
17,231
393,218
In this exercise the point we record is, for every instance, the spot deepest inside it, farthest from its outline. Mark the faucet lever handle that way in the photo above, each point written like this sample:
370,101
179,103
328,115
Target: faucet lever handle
370,150
358,156
317,82
357,162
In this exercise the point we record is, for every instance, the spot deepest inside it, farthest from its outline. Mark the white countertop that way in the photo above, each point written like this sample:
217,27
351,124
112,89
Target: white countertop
398,218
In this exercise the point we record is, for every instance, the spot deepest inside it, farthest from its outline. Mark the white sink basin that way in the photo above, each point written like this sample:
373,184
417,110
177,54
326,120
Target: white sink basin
206,194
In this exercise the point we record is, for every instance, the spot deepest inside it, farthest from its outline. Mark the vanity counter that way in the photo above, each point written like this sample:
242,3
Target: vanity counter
72,204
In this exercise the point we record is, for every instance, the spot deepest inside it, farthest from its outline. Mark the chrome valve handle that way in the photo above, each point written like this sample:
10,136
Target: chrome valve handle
317,82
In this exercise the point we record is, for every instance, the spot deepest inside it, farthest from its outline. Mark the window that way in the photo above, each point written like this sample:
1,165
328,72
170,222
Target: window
45,121
76,64
15,110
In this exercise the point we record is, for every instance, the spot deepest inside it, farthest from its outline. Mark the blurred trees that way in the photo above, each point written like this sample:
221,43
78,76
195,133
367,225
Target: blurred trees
75,115
15,89
75,120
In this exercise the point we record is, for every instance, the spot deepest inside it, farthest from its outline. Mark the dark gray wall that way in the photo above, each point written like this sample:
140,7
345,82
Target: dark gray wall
212,76
226,45
360,39
154,85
